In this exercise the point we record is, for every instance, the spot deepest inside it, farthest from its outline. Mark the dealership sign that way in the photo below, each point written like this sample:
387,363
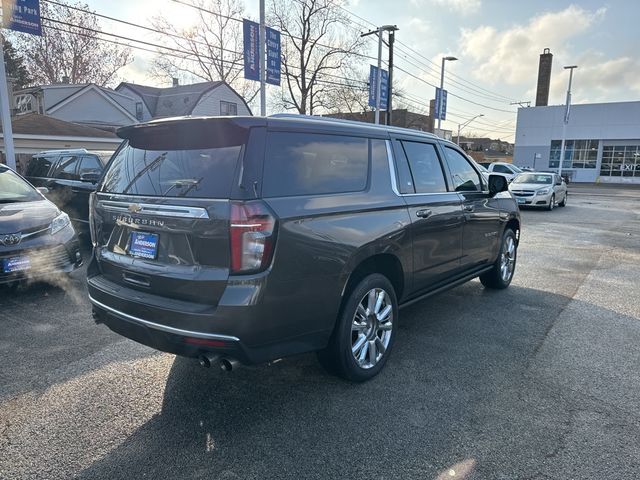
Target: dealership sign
22,16
251,34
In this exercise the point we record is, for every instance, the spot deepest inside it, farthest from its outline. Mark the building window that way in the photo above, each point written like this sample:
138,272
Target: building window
139,111
577,154
228,108
620,161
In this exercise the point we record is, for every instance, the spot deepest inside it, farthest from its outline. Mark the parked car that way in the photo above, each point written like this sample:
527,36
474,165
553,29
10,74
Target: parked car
70,176
508,169
36,238
249,239
540,190
486,172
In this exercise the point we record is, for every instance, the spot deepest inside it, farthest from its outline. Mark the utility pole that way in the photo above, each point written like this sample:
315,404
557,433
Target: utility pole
263,54
392,37
378,31
566,117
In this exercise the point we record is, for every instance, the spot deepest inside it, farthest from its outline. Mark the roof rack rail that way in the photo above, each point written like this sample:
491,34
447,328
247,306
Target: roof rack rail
65,150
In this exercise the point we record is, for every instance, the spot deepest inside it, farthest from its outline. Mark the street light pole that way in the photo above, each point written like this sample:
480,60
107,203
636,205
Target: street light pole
378,31
460,127
444,59
566,117
263,53
379,76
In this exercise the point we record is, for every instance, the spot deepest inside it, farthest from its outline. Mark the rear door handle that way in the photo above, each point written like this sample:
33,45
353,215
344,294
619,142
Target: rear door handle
424,213
469,208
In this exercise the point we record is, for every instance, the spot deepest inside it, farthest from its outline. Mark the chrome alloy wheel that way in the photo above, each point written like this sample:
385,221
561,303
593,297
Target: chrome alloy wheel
371,328
508,259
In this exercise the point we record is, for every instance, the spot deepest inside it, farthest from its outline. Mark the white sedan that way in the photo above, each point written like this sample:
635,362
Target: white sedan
539,190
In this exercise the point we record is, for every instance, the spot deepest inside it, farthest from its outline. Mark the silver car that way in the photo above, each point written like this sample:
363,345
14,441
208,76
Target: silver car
537,189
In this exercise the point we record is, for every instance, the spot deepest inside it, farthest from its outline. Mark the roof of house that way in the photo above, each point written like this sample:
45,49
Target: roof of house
171,101
36,124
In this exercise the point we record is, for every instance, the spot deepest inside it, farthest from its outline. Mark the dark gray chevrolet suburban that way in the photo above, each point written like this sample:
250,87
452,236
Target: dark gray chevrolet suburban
247,239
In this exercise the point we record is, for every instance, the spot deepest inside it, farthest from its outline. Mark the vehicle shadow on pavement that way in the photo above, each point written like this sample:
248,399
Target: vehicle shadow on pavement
474,384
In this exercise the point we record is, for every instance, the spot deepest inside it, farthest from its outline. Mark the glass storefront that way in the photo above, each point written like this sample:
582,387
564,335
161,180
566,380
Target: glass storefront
620,161
577,154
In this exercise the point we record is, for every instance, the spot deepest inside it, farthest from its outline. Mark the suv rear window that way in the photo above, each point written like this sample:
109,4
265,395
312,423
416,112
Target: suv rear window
39,166
202,172
314,164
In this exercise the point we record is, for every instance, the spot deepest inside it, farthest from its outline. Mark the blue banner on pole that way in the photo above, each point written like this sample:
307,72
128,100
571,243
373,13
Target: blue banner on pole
441,104
273,56
22,16
373,87
251,48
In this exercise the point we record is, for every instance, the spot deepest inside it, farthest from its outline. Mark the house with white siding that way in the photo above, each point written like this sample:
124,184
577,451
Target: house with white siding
89,104
205,98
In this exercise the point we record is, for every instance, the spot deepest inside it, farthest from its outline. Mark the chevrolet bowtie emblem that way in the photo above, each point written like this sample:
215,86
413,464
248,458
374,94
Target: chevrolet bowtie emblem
134,208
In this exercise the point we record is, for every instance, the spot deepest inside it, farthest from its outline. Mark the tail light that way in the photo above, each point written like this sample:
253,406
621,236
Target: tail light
92,219
253,231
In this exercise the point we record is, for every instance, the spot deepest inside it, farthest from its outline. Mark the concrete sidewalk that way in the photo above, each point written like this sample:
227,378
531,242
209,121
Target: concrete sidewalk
605,189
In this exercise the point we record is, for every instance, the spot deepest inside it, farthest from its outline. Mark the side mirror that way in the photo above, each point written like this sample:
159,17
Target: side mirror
497,184
42,190
90,177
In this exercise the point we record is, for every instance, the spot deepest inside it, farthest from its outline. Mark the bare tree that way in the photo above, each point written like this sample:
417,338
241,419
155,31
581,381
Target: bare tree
317,45
350,97
70,47
214,44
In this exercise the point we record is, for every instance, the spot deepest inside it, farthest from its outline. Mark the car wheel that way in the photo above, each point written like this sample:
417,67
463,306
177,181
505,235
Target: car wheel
552,202
501,274
564,200
363,337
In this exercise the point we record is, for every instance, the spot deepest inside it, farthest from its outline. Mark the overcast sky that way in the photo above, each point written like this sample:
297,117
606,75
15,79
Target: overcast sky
498,44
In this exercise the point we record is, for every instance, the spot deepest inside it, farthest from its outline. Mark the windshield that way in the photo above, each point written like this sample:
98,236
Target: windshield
534,178
15,189
517,169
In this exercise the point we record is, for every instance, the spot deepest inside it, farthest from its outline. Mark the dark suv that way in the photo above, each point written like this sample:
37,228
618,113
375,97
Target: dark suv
70,176
249,239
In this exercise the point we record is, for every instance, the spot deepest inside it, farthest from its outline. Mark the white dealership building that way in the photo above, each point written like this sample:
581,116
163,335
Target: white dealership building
603,141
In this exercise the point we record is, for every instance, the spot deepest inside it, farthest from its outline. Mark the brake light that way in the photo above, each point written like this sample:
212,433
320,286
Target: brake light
92,219
252,234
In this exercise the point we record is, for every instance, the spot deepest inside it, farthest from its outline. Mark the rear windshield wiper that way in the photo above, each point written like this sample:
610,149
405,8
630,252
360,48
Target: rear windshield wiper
189,183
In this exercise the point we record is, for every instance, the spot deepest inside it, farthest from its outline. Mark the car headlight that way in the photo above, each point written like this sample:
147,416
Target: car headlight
543,191
60,222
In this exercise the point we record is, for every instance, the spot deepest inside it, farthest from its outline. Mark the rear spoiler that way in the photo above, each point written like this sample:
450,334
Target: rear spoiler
190,133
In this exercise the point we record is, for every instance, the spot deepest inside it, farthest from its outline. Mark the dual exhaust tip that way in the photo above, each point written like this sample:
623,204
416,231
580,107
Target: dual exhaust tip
226,364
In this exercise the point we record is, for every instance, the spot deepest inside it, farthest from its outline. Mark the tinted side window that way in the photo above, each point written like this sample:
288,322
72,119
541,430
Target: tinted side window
314,164
501,169
426,169
465,177
67,168
39,166
89,164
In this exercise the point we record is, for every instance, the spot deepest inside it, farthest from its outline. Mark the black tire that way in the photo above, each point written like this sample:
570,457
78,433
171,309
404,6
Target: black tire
552,202
494,278
337,357
564,200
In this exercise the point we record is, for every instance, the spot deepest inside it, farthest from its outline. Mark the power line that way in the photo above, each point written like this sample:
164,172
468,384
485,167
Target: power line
177,53
435,67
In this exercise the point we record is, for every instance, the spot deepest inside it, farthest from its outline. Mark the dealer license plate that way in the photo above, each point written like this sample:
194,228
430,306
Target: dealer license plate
143,245
15,264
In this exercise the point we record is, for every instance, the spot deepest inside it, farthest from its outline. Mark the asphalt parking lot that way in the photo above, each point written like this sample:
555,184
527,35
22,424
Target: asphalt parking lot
541,381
